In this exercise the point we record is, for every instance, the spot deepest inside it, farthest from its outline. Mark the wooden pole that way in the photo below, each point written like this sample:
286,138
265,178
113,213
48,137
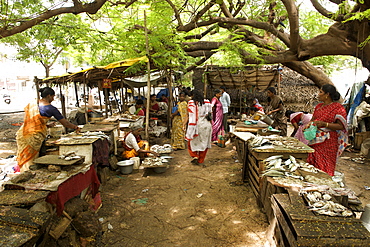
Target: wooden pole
170,103
76,92
148,82
85,101
116,99
37,88
100,103
123,101
278,74
62,101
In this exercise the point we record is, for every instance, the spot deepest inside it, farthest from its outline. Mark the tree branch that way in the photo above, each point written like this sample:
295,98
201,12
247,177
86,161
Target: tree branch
321,9
256,24
199,36
205,58
90,8
201,45
295,39
177,14
307,69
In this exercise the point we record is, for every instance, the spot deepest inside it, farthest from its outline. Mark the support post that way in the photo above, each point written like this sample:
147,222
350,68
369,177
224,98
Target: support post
148,82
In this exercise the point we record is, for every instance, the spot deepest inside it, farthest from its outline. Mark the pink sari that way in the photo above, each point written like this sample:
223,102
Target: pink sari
217,126
306,118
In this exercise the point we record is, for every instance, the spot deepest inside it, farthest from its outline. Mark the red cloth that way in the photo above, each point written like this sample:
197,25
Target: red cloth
201,155
73,187
325,155
297,118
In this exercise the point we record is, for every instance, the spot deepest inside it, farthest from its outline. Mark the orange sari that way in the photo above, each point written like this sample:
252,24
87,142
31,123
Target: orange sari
30,136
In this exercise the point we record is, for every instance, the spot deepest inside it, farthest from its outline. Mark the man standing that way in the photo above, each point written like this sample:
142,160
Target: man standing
225,101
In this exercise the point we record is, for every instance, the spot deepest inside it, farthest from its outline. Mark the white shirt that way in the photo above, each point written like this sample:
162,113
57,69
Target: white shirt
225,101
131,142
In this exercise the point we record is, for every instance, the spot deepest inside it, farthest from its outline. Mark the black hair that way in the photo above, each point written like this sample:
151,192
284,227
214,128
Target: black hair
288,113
223,87
332,91
46,91
272,90
198,96
153,95
139,102
216,91
184,93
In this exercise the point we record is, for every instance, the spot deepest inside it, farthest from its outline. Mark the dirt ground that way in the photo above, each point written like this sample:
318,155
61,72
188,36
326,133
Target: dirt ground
187,205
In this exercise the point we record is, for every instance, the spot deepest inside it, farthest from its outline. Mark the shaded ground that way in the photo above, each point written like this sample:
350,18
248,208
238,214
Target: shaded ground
187,205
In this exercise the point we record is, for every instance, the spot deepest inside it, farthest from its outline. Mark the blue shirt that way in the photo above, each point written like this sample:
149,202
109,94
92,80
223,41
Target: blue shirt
50,111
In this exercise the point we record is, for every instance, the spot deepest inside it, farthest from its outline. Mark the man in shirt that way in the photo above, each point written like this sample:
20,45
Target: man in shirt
225,101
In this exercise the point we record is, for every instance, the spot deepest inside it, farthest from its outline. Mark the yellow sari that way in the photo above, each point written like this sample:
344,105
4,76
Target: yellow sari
30,136
178,133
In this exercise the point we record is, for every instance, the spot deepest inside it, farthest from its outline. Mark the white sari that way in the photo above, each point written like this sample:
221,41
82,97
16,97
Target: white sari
199,131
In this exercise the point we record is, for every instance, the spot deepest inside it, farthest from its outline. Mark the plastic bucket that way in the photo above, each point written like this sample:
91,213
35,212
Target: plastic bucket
136,162
126,166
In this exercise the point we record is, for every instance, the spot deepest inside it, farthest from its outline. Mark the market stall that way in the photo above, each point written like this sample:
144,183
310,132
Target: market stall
295,225
307,207
262,147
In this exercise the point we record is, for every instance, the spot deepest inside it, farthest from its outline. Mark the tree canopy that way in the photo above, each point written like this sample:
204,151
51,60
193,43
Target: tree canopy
188,33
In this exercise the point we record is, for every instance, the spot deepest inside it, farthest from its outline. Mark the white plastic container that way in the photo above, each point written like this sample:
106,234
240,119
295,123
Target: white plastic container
136,162
126,166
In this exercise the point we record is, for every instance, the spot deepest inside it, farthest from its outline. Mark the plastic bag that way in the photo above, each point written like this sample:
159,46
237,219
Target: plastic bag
310,132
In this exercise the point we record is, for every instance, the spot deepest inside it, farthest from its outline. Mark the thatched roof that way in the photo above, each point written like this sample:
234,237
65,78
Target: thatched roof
94,76
238,78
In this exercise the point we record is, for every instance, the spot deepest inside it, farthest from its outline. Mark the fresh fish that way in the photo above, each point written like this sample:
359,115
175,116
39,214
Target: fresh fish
273,173
273,158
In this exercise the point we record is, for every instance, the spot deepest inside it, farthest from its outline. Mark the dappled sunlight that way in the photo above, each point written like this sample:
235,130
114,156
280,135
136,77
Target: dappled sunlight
211,210
3,150
256,236
174,211
237,222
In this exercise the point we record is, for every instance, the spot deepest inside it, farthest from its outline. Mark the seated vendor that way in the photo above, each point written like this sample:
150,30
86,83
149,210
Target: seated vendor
254,110
134,146
139,108
164,99
154,106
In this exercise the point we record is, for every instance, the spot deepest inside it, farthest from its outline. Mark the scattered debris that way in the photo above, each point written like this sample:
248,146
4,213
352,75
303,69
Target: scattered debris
140,201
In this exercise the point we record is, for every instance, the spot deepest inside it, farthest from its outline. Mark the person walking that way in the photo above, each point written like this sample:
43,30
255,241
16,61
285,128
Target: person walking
217,126
179,117
226,102
199,127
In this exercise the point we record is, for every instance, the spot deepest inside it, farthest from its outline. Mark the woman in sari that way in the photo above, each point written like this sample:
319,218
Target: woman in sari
331,137
139,108
276,109
179,117
199,131
154,106
34,129
133,144
217,126
298,121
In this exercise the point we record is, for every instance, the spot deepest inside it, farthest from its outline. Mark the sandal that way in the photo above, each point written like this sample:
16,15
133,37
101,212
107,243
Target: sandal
195,161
